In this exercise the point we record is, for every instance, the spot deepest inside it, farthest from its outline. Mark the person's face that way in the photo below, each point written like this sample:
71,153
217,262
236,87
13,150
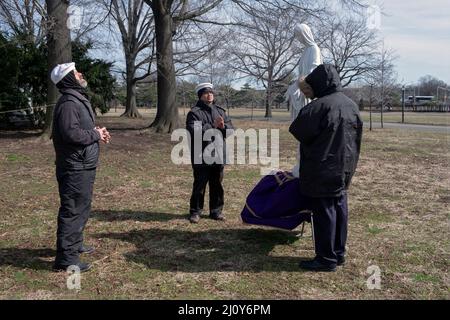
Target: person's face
80,79
306,89
207,97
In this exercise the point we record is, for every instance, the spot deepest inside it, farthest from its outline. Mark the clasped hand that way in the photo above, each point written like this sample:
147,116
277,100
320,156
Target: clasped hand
219,123
105,137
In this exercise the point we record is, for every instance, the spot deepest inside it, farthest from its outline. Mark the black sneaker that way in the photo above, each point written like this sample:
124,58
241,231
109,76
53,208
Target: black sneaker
314,265
218,217
86,249
194,218
341,261
82,265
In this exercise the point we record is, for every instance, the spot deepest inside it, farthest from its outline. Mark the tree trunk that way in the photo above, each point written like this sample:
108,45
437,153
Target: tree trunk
268,100
167,112
59,51
131,109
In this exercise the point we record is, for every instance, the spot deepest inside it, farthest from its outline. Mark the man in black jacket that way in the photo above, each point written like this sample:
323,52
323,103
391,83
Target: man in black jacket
203,116
75,139
330,131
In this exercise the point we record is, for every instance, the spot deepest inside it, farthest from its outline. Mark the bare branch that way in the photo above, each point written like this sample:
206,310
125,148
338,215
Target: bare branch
184,15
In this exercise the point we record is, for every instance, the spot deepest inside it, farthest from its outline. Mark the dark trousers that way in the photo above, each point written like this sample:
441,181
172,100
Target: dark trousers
330,227
75,192
203,175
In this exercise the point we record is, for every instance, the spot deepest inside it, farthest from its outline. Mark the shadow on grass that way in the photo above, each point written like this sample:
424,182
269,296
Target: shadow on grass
209,251
27,258
142,216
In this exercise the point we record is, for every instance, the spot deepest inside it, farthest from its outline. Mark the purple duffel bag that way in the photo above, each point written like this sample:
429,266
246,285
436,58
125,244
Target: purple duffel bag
276,202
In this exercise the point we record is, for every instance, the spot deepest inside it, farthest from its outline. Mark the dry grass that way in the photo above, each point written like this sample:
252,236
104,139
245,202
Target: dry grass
399,214
425,118
428,118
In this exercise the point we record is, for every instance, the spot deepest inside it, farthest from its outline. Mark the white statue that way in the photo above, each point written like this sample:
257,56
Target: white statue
311,58
292,96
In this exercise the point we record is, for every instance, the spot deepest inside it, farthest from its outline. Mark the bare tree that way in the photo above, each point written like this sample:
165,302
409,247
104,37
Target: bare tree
28,18
428,85
46,22
25,18
134,21
350,45
267,51
168,15
195,47
383,78
91,16
214,65
388,76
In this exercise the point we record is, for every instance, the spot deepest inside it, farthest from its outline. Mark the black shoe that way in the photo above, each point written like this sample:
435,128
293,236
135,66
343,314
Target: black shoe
341,261
194,218
86,249
218,217
314,265
82,265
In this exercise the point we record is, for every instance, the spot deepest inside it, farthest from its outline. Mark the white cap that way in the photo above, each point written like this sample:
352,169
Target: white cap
61,70
203,86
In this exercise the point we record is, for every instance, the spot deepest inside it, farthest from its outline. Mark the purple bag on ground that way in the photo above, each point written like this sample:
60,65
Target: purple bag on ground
276,202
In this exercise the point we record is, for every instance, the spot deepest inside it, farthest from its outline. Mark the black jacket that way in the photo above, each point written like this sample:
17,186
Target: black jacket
74,136
330,131
205,115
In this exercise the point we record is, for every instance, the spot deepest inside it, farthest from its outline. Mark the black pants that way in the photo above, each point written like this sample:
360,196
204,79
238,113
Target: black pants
204,174
75,192
330,227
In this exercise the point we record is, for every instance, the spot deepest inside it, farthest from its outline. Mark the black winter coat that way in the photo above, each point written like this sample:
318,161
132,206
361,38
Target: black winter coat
330,131
202,113
74,136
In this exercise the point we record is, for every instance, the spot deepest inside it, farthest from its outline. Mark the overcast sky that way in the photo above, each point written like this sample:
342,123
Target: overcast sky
419,32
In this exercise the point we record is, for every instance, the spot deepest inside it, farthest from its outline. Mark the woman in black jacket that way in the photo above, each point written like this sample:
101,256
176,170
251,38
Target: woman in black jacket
330,131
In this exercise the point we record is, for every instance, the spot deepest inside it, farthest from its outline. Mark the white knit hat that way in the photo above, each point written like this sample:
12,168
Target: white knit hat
203,86
61,70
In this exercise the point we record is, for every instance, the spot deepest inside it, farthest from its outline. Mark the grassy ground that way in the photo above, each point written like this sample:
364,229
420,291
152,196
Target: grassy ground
399,214
429,118
425,118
